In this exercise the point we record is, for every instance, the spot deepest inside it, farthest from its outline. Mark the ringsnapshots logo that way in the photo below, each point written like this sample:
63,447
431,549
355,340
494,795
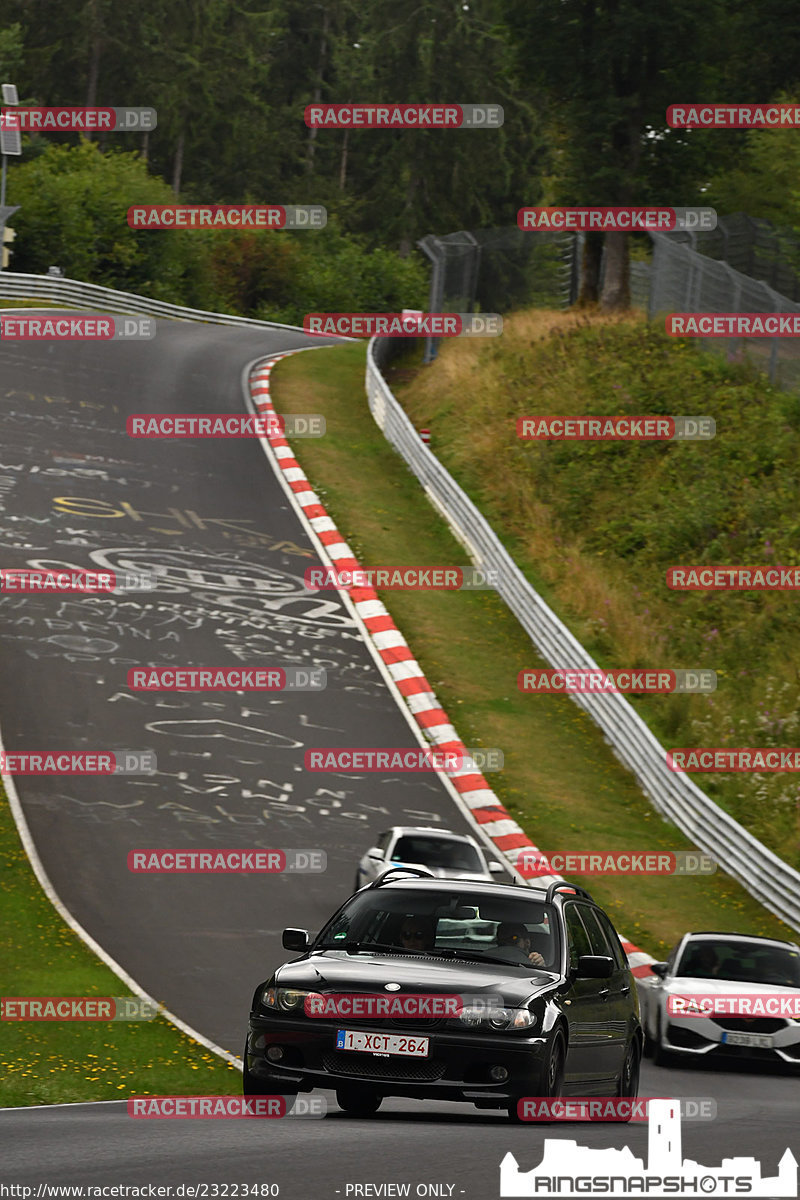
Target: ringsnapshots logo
617,218
408,324
571,681
226,1108
225,425
733,116
227,679
228,216
415,579
568,1169
79,118
77,1008
74,762
723,759
698,578
160,861
106,328
534,862
90,583
393,758
733,325
404,116
616,429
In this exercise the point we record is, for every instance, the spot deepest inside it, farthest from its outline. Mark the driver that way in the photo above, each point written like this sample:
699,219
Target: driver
514,938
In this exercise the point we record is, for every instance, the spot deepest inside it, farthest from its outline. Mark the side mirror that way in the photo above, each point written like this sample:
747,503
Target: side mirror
594,966
375,853
660,969
295,939
496,868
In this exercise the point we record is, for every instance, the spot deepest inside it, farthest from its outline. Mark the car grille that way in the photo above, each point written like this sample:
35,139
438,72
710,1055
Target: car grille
752,1024
423,1070
411,1023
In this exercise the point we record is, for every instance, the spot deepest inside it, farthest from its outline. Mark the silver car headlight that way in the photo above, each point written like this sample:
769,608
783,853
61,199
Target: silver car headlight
284,999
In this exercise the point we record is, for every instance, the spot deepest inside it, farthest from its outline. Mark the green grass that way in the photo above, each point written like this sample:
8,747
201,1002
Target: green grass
55,1062
560,780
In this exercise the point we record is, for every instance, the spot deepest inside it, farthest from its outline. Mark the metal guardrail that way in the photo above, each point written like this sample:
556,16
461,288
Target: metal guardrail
73,292
771,881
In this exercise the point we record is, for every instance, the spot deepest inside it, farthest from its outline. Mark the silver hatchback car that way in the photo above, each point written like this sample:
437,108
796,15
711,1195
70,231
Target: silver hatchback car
446,855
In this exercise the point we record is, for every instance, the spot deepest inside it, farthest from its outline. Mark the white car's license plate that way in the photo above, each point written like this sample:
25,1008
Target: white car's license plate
382,1043
748,1039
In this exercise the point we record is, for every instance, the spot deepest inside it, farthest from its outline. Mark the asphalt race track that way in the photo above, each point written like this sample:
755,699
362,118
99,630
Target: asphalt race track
75,490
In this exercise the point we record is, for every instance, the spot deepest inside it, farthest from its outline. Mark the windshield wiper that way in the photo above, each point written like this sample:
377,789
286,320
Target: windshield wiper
356,947
479,956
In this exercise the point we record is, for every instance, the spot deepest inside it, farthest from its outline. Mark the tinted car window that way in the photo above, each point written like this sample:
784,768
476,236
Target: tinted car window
436,852
464,921
617,952
597,938
384,839
576,934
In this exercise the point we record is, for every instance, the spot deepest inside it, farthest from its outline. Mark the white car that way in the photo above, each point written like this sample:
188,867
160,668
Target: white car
446,855
703,968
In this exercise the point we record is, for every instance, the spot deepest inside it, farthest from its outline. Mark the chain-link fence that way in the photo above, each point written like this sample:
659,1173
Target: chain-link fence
753,246
680,279
499,270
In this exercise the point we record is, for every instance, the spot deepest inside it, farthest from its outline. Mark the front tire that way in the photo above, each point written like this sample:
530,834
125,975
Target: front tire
358,1101
551,1080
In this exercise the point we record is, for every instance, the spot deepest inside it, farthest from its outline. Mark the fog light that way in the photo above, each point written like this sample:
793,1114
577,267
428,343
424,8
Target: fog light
498,1074
275,1053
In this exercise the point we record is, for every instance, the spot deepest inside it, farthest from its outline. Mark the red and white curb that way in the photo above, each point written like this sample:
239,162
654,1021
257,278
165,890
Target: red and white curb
480,803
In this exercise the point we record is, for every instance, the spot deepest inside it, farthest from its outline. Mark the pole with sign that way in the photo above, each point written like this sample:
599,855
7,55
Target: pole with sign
10,143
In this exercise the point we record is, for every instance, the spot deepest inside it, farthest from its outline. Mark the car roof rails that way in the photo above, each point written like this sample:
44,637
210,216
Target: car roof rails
569,887
419,872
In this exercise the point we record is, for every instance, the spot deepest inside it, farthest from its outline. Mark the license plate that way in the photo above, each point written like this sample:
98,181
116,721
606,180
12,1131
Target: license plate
382,1043
748,1039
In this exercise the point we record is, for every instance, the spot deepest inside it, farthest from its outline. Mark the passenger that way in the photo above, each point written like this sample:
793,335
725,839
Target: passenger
418,933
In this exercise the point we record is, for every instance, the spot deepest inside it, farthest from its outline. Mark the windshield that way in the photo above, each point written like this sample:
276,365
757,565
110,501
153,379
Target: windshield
437,852
740,961
464,924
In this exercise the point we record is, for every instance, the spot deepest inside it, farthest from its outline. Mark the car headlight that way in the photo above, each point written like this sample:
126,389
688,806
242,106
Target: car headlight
499,1018
284,999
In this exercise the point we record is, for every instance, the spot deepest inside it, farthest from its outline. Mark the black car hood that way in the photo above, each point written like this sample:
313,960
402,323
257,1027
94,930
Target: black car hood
365,973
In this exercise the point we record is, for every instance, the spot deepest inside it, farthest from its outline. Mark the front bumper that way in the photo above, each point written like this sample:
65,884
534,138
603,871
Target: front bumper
699,1036
457,1067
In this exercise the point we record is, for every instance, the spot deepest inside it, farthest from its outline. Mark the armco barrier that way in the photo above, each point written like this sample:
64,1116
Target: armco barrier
74,293
773,882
